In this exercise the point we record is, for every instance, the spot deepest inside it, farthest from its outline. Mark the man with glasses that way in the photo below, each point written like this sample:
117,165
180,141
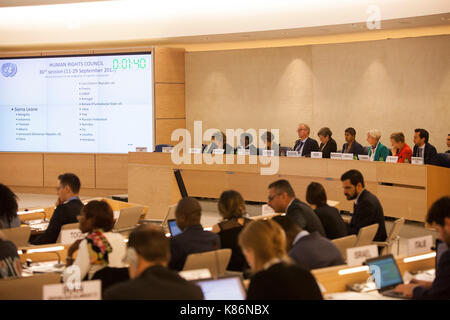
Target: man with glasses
68,208
305,145
282,198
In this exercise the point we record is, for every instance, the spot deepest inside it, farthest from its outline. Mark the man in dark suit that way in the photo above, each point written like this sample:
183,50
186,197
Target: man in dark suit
438,217
68,208
305,145
147,255
422,148
351,145
367,209
193,239
309,250
282,198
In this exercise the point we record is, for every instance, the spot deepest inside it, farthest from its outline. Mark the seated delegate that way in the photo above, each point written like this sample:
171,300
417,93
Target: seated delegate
100,248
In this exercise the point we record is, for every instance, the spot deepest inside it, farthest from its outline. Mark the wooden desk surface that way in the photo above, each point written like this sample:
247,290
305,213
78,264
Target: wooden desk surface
404,190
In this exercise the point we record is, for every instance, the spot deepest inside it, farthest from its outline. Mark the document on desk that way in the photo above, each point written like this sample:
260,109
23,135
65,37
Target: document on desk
351,295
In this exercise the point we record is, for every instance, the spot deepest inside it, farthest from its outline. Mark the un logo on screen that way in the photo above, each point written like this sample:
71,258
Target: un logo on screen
9,69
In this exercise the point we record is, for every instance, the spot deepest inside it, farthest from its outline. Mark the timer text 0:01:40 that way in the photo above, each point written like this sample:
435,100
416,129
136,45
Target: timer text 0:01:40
129,63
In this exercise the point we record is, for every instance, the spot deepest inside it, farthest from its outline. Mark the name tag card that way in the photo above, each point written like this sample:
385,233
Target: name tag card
88,290
336,155
316,155
292,154
357,256
243,152
268,153
196,274
69,236
416,160
392,159
363,157
347,156
218,151
167,149
141,149
195,150
419,245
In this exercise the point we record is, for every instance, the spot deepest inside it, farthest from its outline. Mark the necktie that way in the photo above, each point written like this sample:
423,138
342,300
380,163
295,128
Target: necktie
299,146
420,152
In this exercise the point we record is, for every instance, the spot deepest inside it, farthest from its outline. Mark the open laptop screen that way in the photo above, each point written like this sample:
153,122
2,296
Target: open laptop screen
173,228
228,288
385,272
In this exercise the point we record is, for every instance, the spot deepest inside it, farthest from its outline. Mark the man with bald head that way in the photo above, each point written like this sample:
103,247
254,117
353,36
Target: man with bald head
305,145
193,238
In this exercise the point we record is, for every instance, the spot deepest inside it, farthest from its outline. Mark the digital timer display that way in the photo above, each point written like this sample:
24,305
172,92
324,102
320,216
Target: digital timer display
127,63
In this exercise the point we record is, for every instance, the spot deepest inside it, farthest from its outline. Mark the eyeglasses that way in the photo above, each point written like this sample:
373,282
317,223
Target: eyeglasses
270,198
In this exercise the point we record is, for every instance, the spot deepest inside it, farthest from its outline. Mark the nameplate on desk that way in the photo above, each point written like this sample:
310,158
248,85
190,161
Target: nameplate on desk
268,153
336,155
392,159
195,274
141,149
218,151
69,236
347,156
419,245
167,149
416,160
86,290
357,256
363,157
316,155
292,154
243,152
195,150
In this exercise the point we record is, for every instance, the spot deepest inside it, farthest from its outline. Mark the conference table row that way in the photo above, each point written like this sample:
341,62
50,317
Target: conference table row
405,190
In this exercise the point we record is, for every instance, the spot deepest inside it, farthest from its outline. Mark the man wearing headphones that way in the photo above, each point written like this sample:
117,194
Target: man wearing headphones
148,254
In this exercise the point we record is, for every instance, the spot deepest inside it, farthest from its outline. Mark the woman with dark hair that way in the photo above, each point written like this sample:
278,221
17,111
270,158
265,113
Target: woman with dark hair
331,220
8,208
232,209
101,247
327,144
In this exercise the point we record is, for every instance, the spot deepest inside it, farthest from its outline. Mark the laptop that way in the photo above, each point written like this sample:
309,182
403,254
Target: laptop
173,228
386,274
223,288
180,183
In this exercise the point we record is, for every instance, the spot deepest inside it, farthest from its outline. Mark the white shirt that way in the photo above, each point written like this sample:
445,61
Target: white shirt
300,235
300,152
116,240
357,198
372,155
423,151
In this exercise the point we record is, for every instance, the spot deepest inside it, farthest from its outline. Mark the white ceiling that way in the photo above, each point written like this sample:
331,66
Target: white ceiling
144,20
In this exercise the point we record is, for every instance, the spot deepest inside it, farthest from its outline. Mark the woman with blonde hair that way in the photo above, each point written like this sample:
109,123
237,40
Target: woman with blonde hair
263,243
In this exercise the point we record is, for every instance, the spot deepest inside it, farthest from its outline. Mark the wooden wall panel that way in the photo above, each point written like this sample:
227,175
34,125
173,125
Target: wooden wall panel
169,65
165,127
111,171
83,165
169,100
22,169
361,85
